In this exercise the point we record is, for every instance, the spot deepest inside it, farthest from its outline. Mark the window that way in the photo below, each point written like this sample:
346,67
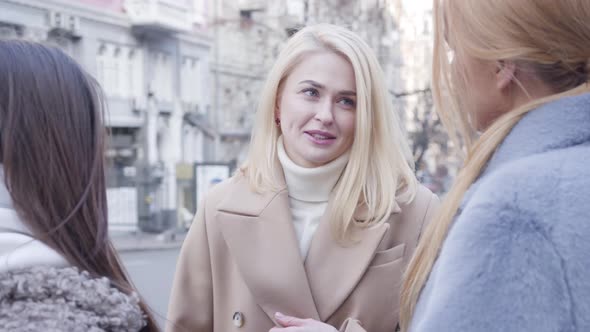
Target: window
136,81
123,72
119,69
190,80
200,11
106,68
162,76
106,71
113,74
100,66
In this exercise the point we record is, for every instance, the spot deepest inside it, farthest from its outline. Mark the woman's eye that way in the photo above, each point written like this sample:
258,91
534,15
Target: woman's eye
311,92
347,102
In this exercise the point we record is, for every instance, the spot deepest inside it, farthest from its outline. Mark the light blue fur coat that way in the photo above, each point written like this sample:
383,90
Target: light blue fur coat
517,257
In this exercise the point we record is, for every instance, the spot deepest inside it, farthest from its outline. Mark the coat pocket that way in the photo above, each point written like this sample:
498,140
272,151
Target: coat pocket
388,256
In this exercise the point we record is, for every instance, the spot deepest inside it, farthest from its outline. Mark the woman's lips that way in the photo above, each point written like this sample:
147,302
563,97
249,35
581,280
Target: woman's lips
319,137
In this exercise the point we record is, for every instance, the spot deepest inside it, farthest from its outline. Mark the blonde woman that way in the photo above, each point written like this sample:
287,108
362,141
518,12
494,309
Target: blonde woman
314,231
509,249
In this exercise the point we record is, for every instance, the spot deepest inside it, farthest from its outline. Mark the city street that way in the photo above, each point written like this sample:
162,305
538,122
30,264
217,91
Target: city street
152,272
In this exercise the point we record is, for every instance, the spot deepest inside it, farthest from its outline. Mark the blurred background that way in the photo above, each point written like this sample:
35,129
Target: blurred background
182,78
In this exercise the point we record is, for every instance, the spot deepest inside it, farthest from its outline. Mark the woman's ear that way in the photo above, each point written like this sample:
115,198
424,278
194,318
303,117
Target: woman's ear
277,112
278,103
505,73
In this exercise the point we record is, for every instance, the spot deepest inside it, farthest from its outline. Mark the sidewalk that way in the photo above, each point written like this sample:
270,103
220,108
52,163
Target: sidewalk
126,241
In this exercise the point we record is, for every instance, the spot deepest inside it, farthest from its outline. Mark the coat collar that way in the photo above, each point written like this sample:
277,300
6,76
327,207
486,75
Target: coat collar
39,297
260,236
259,232
556,125
334,270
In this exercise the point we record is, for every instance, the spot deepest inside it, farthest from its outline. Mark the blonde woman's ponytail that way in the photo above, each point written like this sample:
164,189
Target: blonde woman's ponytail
553,48
431,242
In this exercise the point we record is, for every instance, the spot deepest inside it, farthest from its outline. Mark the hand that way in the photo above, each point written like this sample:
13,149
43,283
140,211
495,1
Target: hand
294,324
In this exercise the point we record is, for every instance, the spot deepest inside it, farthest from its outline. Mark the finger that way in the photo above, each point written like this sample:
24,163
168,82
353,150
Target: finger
287,321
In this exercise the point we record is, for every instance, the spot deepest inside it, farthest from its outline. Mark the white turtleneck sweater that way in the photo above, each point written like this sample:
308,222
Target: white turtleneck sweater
309,190
18,248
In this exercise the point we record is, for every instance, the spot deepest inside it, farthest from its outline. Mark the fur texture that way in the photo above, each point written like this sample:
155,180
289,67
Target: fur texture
517,257
64,299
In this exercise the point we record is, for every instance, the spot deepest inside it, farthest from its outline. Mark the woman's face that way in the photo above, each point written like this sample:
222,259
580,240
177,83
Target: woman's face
481,95
317,109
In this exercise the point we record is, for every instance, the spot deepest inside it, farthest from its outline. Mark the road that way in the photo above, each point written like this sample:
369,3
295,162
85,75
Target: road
152,272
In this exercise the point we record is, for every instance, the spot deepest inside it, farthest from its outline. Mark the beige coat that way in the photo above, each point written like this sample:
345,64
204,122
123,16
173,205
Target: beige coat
241,256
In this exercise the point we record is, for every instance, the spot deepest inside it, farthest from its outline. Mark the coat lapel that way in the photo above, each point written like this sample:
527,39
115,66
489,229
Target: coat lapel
259,233
334,270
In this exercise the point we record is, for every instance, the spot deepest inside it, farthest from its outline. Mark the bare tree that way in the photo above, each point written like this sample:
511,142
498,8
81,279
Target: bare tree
428,130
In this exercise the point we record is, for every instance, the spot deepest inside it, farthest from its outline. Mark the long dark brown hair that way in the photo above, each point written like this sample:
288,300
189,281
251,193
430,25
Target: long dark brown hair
52,142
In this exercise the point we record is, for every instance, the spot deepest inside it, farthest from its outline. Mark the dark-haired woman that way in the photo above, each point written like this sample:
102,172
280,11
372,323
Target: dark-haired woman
58,269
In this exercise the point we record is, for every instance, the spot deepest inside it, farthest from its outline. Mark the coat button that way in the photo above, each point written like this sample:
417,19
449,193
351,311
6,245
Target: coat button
238,319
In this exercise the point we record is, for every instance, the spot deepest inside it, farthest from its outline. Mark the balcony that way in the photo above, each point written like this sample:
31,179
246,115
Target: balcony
251,5
163,15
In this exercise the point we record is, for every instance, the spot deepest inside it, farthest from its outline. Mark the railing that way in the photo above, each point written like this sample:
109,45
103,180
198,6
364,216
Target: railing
251,4
172,15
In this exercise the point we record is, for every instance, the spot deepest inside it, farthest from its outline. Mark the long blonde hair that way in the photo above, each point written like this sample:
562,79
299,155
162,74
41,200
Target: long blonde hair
549,38
380,170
